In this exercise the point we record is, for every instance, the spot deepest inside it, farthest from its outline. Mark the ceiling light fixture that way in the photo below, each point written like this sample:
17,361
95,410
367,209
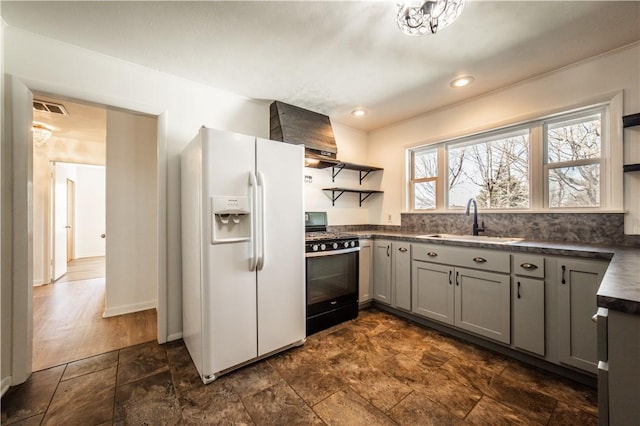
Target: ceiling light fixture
359,112
41,134
461,81
427,17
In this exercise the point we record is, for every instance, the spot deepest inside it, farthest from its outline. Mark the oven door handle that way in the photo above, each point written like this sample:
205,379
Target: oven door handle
333,252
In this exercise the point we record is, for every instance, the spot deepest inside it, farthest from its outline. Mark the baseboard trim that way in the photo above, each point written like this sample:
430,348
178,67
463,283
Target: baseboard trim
5,385
174,336
129,309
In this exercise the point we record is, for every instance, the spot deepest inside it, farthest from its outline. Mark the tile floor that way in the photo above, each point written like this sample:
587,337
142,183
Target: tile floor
377,369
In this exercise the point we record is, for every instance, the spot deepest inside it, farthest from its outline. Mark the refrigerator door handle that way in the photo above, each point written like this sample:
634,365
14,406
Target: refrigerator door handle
253,259
261,186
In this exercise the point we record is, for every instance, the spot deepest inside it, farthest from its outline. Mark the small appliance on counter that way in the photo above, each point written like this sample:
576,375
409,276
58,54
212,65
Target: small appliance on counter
332,260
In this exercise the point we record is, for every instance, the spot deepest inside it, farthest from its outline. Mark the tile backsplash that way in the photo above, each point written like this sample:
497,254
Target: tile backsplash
590,228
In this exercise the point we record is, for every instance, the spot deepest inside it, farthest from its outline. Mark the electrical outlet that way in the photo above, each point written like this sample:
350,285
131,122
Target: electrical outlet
308,179
389,218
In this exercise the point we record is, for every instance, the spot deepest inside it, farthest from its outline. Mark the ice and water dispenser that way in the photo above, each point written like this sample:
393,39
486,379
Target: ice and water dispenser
231,219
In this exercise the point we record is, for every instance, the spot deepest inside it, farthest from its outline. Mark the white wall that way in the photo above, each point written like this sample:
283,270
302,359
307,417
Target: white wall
5,289
182,107
90,211
592,80
132,213
352,148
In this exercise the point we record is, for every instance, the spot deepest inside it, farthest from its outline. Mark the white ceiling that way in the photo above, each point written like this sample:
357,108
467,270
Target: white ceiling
332,56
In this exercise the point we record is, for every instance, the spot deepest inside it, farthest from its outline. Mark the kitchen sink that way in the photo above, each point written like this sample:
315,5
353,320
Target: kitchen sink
473,238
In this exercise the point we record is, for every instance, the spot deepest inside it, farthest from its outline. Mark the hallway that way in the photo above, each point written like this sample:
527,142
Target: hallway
68,323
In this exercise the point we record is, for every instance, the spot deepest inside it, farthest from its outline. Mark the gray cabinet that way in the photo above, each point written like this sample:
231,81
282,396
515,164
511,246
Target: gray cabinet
382,271
365,266
578,282
621,401
528,303
401,275
432,287
482,303
474,300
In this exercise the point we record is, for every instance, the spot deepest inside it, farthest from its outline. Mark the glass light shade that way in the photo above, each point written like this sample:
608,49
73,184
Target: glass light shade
431,17
41,134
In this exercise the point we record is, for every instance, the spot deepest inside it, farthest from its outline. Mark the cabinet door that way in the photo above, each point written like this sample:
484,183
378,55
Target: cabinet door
483,303
432,288
382,271
528,315
401,283
364,278
578,282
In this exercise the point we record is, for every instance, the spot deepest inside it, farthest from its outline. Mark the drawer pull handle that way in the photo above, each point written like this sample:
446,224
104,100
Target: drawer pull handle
450,282
518,289
432,254
529,266
402,249
479,259
457,274
564,268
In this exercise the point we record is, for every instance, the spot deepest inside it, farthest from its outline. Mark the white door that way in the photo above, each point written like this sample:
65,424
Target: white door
229,287
59,221
281,282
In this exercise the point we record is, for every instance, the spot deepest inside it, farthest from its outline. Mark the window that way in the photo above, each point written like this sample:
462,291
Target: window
424,176
555,163
494,171
573,153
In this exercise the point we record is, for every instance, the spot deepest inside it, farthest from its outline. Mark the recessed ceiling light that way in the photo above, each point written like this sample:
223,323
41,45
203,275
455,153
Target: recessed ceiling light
359,112
461,81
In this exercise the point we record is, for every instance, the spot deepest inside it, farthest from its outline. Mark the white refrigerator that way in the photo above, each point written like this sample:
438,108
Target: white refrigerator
243,276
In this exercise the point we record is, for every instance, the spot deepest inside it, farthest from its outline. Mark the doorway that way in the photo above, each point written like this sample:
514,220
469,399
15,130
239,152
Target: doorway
69,320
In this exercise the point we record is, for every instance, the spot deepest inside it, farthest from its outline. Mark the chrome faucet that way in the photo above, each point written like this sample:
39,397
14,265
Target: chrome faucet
476,229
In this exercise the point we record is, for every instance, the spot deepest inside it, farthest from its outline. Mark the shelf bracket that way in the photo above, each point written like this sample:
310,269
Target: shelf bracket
365,197
366,173
333,196
340,167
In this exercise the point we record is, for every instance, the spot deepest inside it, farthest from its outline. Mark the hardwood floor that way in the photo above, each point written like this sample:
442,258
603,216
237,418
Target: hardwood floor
68,323
83,269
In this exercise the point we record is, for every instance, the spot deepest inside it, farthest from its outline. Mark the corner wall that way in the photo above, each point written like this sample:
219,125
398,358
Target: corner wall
572,86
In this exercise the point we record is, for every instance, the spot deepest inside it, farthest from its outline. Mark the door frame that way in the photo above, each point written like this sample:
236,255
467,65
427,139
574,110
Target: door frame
71,219
22,311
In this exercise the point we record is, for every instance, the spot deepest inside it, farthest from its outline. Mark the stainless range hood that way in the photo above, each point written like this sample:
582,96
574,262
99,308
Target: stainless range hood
299,126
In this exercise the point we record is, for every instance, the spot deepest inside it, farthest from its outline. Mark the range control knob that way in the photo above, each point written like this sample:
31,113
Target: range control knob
353,243
335,246
323,247
346,244
314,247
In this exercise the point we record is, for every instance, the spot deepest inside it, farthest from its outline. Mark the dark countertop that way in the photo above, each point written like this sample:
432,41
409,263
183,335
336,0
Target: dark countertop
620,287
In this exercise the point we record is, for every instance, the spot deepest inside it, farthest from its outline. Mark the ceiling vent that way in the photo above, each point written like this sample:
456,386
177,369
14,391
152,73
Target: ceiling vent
51,107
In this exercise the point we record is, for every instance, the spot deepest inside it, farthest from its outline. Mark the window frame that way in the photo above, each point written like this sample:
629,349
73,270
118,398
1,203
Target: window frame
413,180
611,193
573,118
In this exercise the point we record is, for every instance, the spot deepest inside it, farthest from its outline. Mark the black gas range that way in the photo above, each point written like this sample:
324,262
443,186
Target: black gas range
332,271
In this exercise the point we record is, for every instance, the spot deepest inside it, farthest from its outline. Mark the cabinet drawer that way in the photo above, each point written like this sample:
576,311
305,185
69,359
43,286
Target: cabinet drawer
434,253
486,260
528,265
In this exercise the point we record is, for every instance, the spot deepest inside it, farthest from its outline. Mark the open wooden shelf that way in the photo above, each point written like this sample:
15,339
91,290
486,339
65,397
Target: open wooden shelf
361,192
631,120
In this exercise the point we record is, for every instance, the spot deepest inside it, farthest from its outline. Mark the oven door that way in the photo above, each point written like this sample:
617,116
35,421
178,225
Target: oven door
332,279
